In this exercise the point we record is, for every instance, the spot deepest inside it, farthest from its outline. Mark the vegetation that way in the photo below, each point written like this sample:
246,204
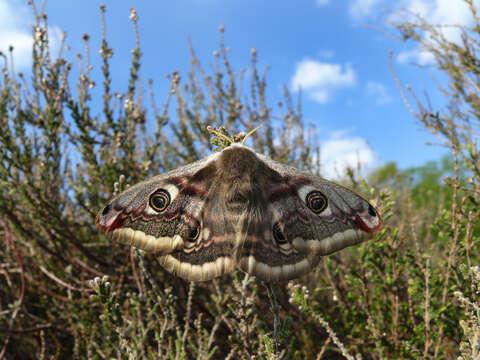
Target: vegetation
67,292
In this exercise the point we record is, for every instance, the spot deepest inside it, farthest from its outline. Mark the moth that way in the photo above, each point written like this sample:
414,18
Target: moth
237,209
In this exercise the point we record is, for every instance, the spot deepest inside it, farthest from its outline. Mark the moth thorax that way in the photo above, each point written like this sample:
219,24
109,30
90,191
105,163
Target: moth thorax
237,163
237,194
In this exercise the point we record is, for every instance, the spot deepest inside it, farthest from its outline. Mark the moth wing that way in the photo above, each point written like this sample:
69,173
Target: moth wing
295,236
212,254
188,245
261,254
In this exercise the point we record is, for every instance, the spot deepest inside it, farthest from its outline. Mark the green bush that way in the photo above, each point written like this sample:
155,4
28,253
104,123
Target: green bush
67,292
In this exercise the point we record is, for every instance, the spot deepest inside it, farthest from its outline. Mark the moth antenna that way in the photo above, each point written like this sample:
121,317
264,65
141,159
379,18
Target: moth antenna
251,132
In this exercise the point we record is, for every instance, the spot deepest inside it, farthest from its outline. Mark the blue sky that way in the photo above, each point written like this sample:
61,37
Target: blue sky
333,50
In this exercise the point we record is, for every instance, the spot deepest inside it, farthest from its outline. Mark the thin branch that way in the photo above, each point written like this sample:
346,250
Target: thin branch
18,304
63,283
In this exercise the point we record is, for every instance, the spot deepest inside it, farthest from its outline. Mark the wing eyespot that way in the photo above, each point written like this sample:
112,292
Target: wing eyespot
159,200
106,209
278,234
316,201
194,234
371,211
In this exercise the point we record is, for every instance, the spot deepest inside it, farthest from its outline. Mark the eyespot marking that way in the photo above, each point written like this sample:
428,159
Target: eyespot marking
159,200
194,233
278,234
106,209
316,201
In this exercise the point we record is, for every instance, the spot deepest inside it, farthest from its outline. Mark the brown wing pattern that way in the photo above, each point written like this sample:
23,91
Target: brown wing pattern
238,209
295,237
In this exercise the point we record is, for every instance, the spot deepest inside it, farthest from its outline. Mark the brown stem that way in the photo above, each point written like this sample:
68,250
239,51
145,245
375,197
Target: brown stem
9,237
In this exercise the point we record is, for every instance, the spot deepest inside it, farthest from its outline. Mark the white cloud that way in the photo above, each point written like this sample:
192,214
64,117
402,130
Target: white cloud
342,151
378,91
320,79
360,9
445,12
417,55
16,22
322,2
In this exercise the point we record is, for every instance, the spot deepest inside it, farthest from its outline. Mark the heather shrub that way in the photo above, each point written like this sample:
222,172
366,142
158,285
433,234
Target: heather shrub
67,292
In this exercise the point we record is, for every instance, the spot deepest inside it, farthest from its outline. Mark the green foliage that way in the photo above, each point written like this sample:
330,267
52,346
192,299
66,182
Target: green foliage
470,345
412,292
